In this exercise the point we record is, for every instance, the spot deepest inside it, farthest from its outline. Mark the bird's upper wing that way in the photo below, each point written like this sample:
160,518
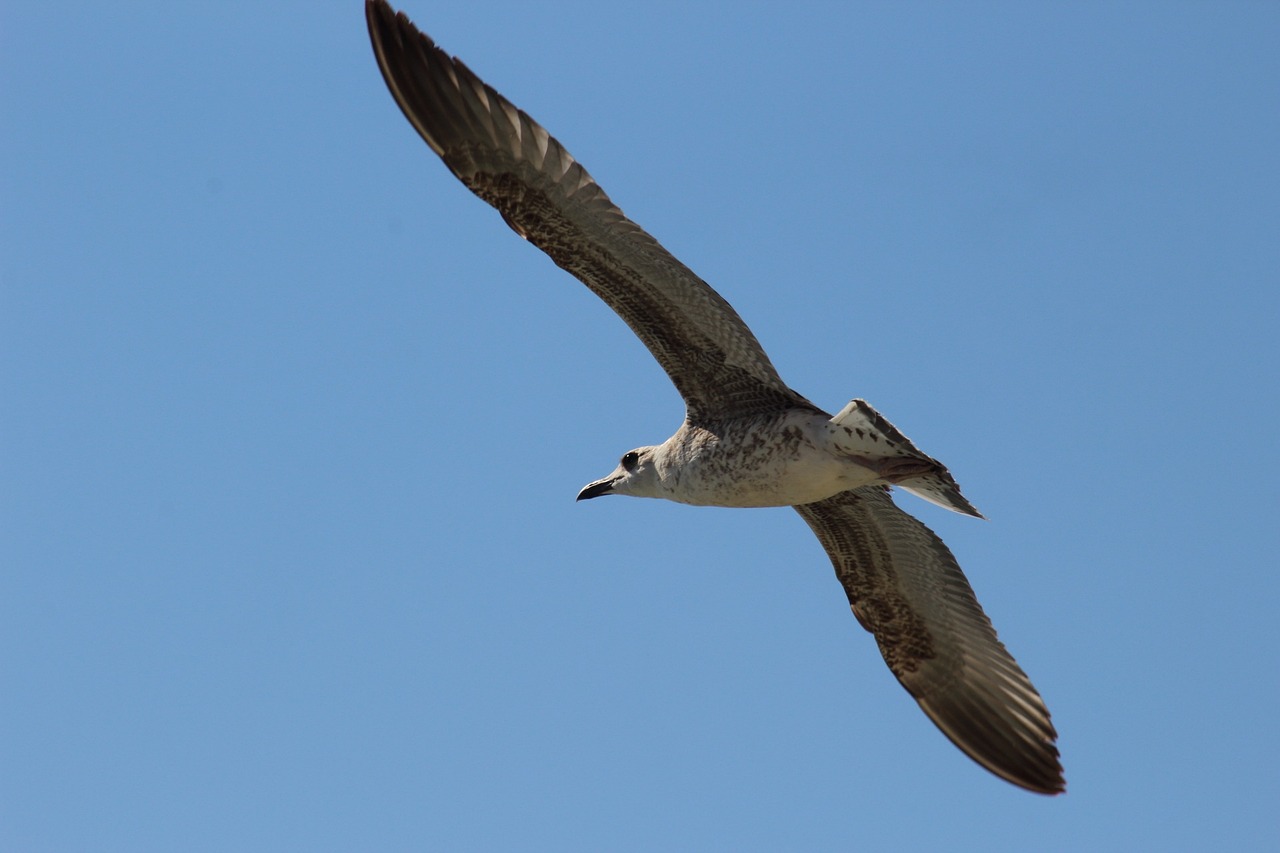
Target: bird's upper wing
906,588
510,161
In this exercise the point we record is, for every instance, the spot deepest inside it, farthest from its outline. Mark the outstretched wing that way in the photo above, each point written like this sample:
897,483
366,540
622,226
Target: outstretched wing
906,588
510,161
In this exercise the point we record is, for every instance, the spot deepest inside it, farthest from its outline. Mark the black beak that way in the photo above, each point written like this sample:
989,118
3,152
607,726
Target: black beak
596,489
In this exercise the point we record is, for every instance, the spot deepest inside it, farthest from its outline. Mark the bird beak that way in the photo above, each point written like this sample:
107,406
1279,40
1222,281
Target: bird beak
596,489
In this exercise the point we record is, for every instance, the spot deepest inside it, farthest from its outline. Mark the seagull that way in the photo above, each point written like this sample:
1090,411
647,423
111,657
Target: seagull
747,440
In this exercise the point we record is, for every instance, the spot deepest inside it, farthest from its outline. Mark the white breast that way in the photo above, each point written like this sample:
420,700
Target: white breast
784,460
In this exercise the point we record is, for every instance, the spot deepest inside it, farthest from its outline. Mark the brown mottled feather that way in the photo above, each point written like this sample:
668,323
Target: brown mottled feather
510,161
906,588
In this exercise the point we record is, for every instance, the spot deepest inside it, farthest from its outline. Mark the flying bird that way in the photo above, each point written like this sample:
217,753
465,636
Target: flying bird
747,440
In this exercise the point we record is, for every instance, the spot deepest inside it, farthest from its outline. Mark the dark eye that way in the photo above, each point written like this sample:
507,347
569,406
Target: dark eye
629,460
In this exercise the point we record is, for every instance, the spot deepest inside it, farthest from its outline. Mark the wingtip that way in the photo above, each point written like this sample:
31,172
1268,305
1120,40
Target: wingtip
1052,785
1022,751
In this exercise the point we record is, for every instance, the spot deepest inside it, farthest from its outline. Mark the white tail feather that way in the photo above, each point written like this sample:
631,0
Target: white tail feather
862,431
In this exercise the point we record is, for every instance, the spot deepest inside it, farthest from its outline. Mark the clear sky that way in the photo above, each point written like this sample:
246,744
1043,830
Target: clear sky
292,426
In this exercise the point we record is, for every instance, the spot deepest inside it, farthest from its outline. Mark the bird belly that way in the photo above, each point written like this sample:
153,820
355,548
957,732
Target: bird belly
795,465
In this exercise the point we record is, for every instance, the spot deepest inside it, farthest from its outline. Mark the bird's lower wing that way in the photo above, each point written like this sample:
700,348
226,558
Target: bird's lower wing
906,588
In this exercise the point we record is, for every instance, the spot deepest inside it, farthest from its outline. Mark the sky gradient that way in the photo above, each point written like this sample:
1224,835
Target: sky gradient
292,426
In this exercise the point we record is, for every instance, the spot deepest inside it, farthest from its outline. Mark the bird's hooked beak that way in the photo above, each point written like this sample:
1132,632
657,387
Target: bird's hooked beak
598,488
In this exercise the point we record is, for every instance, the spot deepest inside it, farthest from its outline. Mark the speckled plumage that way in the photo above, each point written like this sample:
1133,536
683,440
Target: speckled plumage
747,439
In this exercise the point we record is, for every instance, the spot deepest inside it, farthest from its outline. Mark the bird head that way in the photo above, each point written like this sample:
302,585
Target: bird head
636,475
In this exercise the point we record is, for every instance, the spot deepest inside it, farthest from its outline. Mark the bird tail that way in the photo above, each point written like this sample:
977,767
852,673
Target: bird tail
868,433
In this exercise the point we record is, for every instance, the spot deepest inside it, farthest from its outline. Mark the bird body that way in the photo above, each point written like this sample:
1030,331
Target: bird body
793,456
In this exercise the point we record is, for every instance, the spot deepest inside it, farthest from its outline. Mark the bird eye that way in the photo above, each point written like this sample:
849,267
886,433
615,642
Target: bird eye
629,460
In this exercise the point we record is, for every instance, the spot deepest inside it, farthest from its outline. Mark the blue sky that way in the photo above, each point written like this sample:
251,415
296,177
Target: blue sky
292,427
